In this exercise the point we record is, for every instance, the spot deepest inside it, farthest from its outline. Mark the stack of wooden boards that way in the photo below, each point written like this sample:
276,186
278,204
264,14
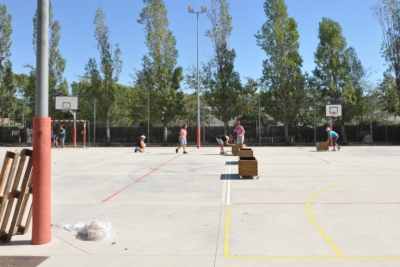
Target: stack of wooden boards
247,164
15,194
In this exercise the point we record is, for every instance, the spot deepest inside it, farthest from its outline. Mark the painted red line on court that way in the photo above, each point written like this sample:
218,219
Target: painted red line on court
321,203
138,180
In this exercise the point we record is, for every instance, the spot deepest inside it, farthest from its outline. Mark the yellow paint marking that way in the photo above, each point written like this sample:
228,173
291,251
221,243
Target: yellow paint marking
335,248
340,255
227,230
310,216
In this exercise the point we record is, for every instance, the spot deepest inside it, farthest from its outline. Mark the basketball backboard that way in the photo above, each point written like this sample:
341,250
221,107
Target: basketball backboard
67,102
333,110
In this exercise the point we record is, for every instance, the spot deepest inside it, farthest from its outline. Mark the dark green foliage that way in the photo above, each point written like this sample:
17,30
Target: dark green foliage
282,77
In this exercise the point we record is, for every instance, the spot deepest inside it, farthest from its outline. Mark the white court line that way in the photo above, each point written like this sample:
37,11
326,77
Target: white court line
224,187
228,195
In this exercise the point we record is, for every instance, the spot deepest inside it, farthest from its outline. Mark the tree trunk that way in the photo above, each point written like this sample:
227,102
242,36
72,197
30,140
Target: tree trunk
108,129
343,132
286,134
226,127
165,135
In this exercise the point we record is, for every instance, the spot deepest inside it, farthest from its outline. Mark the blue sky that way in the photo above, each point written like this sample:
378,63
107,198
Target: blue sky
77,43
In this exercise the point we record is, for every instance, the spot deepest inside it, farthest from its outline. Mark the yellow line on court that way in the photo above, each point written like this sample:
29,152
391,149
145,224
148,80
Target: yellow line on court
227,230
310,216
340,255
335,248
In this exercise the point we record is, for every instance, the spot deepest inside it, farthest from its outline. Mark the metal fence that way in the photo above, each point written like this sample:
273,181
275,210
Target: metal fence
266,135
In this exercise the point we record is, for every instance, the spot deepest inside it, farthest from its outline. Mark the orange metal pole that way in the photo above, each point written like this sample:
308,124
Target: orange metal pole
198,137
41,179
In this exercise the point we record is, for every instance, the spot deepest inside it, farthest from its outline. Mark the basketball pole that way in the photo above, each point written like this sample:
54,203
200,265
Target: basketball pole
330,138
74,133
41,172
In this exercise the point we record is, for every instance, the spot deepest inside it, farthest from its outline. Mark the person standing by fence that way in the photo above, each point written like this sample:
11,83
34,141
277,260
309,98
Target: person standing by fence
182,139
61,136
54,140
239,130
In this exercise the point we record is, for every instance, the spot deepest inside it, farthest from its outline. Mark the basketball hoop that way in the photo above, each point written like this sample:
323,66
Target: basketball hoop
334,114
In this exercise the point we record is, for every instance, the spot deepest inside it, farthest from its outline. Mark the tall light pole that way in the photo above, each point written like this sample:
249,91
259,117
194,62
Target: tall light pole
148,119
259,120
203,10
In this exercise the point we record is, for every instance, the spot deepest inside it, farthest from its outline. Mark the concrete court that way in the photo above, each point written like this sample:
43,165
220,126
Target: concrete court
308,208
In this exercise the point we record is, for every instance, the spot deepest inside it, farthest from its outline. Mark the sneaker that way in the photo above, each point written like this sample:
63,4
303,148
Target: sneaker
184,152
333,149
176,150
135,150
338,148
222,153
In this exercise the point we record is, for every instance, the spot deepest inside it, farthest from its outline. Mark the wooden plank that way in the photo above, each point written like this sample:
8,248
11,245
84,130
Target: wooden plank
248,166
7,177
236,147
245,152
8,159
22,194
21,163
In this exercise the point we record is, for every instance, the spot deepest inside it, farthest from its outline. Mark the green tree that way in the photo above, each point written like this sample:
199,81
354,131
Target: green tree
102,80
387,13
83,90
222,84
20,81
388,94
360,107
7,87
282,75
333,68
159,77
249,112
190,110
130,107
58,85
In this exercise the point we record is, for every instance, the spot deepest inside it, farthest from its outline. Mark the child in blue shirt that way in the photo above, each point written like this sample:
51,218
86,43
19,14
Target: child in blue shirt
334,135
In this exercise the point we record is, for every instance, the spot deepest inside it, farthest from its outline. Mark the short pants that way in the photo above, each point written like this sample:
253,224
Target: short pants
219,141
182,141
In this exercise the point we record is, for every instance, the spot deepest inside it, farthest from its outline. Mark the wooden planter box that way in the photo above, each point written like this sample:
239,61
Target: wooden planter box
235,148
322,146
248,166
245,152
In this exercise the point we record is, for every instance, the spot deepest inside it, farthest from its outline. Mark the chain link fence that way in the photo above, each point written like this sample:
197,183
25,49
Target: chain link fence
266,135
